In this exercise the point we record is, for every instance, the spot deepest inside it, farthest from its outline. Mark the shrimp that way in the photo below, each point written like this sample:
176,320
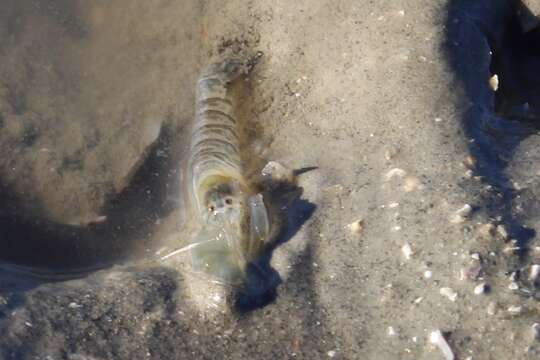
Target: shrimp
233,223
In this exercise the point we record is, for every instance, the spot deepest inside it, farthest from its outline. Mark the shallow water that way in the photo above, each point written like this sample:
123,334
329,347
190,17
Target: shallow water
93,101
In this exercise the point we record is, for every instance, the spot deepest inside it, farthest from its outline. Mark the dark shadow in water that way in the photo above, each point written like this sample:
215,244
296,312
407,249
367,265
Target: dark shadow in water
46,248
260,288
474,28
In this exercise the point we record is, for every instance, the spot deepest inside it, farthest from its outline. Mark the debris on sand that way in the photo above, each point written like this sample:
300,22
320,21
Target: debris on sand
395,172
278,172
407,251
501,230
534,273
460,215
411,184
515,309
481,288
469,162
492,308
494,82
436,338
356,227
449,293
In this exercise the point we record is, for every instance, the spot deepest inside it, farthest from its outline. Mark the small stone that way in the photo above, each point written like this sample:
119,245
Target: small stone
515,309
278,172
411,184
460,215
436,338
356,227
74,305
469,162
494,82
480,288
407,251
513,286
428,274
501,230
534,273
331,353
449,293
391,331
492,308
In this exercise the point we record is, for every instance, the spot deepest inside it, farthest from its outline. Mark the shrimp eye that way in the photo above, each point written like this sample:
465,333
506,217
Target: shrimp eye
228,201
211,208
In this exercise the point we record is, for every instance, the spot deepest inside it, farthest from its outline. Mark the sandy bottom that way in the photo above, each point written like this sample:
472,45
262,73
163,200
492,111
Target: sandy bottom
390,100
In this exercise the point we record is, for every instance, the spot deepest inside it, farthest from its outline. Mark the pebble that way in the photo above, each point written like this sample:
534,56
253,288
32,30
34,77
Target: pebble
278,172
436,338
501,230
494,82
428,274
534,273
460,215
492,308
449,293
411,184
407,251
391,331
480,288
515,309
513,286
331,353
356,227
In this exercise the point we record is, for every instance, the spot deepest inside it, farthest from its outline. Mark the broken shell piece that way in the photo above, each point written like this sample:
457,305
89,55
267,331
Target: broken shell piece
515,309
492,308
356,227
534,273
393,173
449,293
494,82
501,230
407,251
278,172
513,286
460,215
469,162
436,338
480,289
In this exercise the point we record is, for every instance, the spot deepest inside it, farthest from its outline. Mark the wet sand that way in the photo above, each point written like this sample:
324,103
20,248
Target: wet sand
390,101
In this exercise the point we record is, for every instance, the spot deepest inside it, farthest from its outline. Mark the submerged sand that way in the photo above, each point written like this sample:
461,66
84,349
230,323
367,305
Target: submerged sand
389,100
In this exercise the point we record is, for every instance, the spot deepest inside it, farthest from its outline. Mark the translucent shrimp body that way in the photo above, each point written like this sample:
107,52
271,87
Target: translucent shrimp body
232,223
